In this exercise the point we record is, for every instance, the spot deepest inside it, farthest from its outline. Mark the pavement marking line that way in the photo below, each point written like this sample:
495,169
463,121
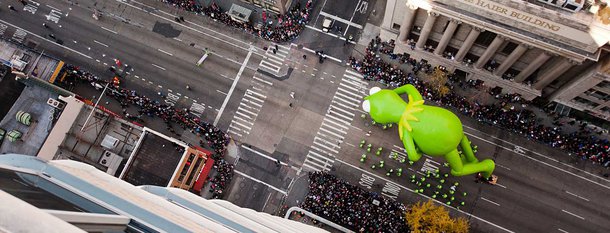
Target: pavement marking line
331,127
505,167
354,73
240,109
261,182
490,201
159,86
256,93
241,70
100,43
575,215
235,133
262,80
341,20
568,192
263,155
500,185
327,56
537,160
240,124
244,115
564,231
345,111
221,92
52,7
109,30
160,50
158,66
251,97
334,118
534,152
440,203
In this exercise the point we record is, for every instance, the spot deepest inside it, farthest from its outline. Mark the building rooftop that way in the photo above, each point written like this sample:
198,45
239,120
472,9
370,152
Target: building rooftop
155,160
147,209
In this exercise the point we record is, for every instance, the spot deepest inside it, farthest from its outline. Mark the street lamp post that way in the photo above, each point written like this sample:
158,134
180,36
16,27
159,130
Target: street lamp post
95,106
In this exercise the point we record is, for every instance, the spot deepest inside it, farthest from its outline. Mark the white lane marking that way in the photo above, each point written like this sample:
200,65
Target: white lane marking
534,152
109,30
177,39
52,7
160,50
261,182
424,196
505,167
77,52
241,70
575,215
492,202
577,196
537,160
221,92
327,56
341,20
500,185
262,80
562,230
100,43
262,155
158,66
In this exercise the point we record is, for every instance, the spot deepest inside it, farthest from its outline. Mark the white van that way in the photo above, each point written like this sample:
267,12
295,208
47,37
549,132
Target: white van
327,25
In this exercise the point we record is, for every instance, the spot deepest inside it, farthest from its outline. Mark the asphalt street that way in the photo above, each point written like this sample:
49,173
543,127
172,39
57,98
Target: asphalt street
303,113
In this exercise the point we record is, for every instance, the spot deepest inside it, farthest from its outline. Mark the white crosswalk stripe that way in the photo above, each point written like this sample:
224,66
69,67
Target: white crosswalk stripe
249,108
273,62
19,35
327,143
54,16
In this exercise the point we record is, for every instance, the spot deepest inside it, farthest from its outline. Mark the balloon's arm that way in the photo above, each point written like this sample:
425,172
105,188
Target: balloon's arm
410,90
409,145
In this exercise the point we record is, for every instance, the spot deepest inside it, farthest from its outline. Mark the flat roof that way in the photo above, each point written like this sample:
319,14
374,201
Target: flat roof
154,161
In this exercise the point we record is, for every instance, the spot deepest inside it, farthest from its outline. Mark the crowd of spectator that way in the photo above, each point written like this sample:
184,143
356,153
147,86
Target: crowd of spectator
287,27
582,144
224,174
352,207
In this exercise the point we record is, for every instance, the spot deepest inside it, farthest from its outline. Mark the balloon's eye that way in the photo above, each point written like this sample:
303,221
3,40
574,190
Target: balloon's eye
374,90
366,106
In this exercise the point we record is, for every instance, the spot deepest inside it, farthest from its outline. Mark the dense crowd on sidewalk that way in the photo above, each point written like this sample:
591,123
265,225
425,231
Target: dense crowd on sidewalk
287,28
222,178
352,207
582,144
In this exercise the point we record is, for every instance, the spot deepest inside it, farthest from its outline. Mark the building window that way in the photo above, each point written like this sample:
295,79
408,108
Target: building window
485,38
598,94
605,109
510,46
587,102
604,84
396,26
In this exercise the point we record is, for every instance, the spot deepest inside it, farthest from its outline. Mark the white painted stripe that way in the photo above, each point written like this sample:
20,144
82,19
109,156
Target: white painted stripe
355,80
424,196
261,182
275,70
349,87
350,23
264,81
235,117
322,151
251,97
240,109
267,64
262,155
310,167
240,124
336,121
325,144
562,230
577,196
252,102
109,30
354,100
219,91
231,126
351,104
244,115
354,73
339,115
160,50
246,106
328,137
330,132
100,43
317,162
354,84
490,201
274,59
570,213
158,66
336,102
234,133
256,93
338,130
321,158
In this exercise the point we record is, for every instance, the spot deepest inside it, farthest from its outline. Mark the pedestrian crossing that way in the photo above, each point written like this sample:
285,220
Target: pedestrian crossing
197,109
2,29
54,16
339,116
19,35
249,107
273,62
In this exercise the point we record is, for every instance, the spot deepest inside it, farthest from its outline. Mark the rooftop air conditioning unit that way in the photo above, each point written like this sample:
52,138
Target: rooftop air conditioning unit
111,161
55,103
110,142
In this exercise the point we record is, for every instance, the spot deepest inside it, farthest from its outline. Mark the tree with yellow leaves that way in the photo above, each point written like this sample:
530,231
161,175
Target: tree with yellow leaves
428,217
438,81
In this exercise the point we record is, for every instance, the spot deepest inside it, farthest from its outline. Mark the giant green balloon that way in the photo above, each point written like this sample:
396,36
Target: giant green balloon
426,129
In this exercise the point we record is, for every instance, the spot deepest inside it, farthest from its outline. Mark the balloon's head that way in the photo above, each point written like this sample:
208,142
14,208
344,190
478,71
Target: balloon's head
384,106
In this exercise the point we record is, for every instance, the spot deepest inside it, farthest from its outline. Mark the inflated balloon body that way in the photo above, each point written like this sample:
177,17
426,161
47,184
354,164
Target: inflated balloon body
426,129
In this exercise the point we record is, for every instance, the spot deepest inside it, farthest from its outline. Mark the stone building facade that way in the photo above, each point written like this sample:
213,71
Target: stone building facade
277,6
527,47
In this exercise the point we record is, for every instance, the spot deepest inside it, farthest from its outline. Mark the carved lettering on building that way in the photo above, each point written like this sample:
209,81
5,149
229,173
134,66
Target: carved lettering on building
514,14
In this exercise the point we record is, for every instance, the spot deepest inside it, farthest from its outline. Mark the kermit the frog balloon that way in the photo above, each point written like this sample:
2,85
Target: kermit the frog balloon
426,129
